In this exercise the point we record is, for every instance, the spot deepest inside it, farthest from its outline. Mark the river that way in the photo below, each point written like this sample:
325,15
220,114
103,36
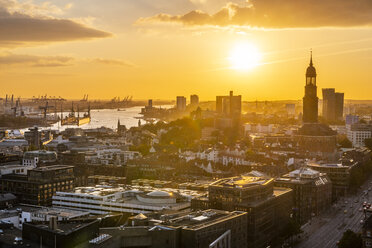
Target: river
109,118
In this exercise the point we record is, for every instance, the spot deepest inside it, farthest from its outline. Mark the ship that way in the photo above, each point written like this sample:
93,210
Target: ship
71,119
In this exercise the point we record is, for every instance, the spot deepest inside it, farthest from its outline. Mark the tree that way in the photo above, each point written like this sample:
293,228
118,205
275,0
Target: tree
144,149
368,143
362,121
344,142
350,240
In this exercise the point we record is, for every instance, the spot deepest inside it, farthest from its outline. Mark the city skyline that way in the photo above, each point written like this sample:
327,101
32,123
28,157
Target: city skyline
144,47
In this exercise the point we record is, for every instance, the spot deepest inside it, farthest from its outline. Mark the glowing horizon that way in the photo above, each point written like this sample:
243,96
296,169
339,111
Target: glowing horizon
146,54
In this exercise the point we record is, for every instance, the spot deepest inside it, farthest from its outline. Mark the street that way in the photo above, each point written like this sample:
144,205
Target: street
325,230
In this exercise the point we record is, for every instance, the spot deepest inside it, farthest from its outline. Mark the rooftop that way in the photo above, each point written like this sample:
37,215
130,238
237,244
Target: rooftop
200,219
63,227
330,165
242,181
53,167
316,129
304,172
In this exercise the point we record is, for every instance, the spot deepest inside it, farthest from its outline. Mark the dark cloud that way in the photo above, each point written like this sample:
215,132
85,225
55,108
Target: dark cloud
279,14
11,59
17,28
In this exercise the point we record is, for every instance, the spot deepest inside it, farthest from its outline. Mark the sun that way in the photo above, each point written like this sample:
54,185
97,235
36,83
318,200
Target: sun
244,56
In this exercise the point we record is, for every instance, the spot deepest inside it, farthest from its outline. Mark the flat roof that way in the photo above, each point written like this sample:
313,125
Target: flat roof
53,167
62,227
199,219
241,181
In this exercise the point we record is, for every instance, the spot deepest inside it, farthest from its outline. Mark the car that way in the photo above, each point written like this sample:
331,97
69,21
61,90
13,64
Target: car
361,221
356,201
360,209
351,206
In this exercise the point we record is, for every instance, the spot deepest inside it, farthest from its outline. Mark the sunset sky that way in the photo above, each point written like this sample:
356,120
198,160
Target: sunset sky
162,48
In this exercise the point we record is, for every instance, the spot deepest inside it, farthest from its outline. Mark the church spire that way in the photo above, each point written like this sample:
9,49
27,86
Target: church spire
311,57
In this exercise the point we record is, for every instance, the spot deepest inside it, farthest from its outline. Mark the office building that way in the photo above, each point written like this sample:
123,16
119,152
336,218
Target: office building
39,185
339,109
181,103
268,208
181,230
33,158
105,199
312,192
61,234
339,175
229,105
333,105
357,133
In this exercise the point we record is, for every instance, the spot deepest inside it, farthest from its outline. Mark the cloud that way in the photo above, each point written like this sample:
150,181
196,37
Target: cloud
22,23
113,62
11,59
277,14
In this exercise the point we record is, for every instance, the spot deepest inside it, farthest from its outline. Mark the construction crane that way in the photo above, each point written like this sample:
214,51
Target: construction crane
85,98
45,109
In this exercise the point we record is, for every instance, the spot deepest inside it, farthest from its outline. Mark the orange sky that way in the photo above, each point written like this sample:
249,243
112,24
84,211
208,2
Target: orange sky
123,47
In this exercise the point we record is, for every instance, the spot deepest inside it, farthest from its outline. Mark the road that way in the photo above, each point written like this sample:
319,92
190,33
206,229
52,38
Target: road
324,231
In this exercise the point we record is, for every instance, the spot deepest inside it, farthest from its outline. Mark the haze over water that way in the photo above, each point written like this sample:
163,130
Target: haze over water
109,118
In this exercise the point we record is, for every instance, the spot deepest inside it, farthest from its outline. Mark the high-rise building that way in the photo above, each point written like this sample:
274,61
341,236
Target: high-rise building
333,105
310,100
181,103
229,105
329,103
194,100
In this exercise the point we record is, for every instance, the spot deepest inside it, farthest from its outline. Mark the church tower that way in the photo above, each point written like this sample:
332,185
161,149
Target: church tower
310,100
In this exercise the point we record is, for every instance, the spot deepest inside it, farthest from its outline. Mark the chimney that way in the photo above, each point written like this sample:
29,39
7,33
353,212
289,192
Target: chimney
53,223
